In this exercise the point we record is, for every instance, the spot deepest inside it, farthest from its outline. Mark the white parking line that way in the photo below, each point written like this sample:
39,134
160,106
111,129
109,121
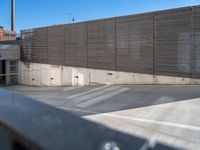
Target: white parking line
102,97
163,123
71,88
78,110
88,92
96,94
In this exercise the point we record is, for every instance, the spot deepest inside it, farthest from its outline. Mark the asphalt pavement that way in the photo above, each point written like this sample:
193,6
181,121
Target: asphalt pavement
162,113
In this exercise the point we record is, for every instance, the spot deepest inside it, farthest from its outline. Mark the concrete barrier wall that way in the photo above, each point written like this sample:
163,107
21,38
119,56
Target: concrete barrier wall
54,75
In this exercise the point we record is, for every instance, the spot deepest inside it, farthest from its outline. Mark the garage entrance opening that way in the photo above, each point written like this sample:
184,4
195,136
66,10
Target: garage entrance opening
8,72
2,73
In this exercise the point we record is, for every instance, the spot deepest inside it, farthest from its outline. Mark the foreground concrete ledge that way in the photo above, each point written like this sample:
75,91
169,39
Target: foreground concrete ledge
39,126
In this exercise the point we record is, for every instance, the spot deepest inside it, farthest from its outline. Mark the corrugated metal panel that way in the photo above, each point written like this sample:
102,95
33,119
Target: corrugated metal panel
56,45
76,45
101,44
172,43
196,43
135,44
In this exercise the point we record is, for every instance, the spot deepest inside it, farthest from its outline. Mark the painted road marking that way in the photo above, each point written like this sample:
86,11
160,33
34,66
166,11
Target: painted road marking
102,97
77,110
163,123
96,94
88,92
71,88
164,99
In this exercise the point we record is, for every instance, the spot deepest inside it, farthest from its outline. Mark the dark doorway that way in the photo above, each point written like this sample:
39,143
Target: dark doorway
13,69
2,72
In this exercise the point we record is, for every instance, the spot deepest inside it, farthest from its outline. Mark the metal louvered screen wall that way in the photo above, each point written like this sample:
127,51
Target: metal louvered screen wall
76,45
195,55
172,43
26,45
135,44
101,44
158,43
39,45
34,45
56,45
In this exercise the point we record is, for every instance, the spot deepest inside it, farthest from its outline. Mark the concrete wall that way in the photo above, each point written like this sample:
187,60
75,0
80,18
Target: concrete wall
54,75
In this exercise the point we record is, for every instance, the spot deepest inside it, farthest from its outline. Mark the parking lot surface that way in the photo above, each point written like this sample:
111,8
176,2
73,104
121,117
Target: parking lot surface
161,113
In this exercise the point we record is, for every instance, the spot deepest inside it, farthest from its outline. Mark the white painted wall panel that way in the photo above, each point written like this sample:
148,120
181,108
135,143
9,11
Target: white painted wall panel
36,79
56,76
67,76
83,76
74,77
45,77
27,77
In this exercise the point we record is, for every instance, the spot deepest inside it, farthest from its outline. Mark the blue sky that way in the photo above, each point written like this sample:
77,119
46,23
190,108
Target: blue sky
36,13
